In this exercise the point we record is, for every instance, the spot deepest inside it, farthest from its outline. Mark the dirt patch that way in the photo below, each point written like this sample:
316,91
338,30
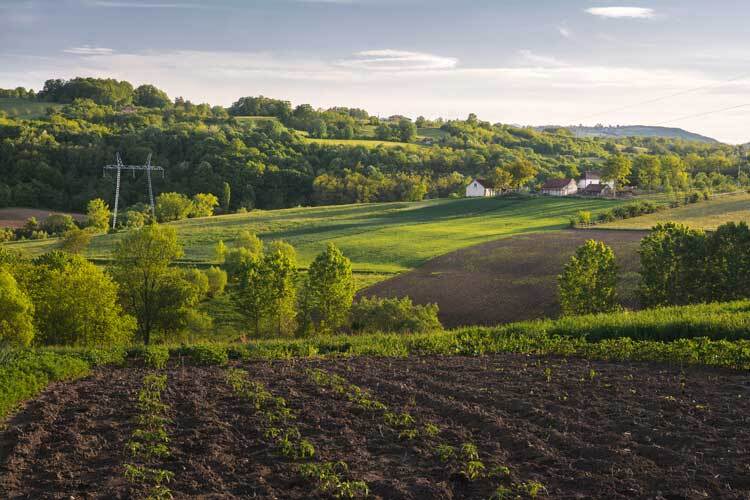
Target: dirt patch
17,217
507,280
583,429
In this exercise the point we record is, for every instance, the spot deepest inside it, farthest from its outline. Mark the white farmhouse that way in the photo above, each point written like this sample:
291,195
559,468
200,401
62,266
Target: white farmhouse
592,177
560,187
479,188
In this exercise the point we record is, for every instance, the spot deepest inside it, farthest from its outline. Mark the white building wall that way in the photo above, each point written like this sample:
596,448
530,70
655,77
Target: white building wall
475,190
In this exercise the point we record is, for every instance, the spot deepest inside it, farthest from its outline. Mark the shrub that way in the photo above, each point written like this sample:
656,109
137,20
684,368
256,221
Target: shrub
588,282
58,224
16,312
217,281
172,206
76,241
151,356
205,355
374,314
199,280
204,205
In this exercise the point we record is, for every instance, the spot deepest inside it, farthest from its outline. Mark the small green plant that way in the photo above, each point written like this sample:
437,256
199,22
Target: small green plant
445,452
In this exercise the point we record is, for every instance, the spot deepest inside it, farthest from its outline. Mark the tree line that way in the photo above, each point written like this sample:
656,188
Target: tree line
679,266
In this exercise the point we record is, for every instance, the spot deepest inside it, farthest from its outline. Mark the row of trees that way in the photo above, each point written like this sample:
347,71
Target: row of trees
679,266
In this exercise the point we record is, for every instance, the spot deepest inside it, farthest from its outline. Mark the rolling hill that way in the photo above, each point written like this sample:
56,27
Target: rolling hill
638,131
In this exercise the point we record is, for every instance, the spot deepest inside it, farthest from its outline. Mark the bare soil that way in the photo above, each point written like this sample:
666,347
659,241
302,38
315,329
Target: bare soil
508,280
583,429
17,217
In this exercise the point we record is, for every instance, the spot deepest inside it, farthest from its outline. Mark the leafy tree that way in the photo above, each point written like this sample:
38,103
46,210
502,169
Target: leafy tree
407,131
203,205
151,97
616,168
217,281
328,293
76,240
588,283
673,265
98,215
647,170
172,206
283,247
220,252
199,280
226,197
397,315
728,276
58,224
279,276
156,295
521,171
16,312
252,295
250,241
76,304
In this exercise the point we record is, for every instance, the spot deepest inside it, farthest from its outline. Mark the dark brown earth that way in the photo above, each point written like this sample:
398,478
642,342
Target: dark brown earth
17,217
512,279
583,429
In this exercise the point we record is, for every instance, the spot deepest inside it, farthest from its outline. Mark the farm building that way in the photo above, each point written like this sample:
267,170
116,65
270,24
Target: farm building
482,188
596,190
560,187
592,177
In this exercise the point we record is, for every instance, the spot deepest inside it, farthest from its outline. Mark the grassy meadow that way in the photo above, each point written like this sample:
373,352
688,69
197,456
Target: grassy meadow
704,214
378,237
368,143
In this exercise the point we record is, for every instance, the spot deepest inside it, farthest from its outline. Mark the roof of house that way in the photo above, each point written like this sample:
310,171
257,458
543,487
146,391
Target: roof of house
557,183
596,188
486,183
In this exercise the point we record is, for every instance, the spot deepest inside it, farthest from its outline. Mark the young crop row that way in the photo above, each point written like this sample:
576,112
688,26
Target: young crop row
149,444
465,459
279,429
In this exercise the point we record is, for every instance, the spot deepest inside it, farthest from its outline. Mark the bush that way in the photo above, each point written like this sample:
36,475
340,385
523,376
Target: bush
58,224
217,281
76,241
374,314
205,354
151,356
172,206
587,284
199,280
16,312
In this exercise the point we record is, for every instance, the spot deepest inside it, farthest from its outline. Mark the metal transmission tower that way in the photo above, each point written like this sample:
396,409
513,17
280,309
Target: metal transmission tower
119,167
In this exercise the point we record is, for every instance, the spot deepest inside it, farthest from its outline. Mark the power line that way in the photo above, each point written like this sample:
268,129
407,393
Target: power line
669,96
706,113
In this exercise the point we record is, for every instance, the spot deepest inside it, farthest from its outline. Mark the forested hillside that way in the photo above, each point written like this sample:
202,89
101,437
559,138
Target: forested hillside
276,158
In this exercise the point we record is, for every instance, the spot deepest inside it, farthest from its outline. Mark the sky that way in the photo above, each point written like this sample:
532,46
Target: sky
677,63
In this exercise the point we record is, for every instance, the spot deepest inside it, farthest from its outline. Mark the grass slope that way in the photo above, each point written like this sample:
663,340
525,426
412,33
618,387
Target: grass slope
706,214
378,237
22,108
368,143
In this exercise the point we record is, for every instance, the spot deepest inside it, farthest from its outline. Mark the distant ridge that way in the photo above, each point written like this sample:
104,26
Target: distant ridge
637,131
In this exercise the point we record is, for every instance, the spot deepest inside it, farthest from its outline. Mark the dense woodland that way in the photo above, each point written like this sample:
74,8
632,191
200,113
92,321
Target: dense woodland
55,161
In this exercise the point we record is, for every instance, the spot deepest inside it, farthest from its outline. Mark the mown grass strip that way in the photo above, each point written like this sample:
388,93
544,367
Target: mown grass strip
279,429
465,461
149,444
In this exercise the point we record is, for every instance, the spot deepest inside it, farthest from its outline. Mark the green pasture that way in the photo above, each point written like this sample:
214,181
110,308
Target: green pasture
23,108
377,237
704,214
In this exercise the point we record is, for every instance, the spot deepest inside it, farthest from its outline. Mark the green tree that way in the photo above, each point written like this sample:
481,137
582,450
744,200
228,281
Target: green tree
226,197
647,169
150,97
673,266
729,262
152,292
204,205
521,170
588,283
98,215
252,294
77,304
172,206
76,240
617,169
16,312
328,293
58,224
279,276
217,281
407,131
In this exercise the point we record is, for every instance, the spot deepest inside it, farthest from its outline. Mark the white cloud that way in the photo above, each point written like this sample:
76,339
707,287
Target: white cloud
398,60
565,31
87,50
531,57
622,12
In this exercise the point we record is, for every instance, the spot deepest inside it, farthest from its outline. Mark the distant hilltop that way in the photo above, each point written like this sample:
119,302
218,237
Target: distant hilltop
636,131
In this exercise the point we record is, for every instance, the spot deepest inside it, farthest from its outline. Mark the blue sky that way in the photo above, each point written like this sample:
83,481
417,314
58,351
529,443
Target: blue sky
514,61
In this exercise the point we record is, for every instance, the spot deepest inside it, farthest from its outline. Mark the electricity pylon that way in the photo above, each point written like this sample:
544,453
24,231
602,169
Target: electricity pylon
119,167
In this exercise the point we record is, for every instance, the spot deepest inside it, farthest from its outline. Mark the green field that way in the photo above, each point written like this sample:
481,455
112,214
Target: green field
368,143
256,119
23,108
432,133
378,237
704,214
